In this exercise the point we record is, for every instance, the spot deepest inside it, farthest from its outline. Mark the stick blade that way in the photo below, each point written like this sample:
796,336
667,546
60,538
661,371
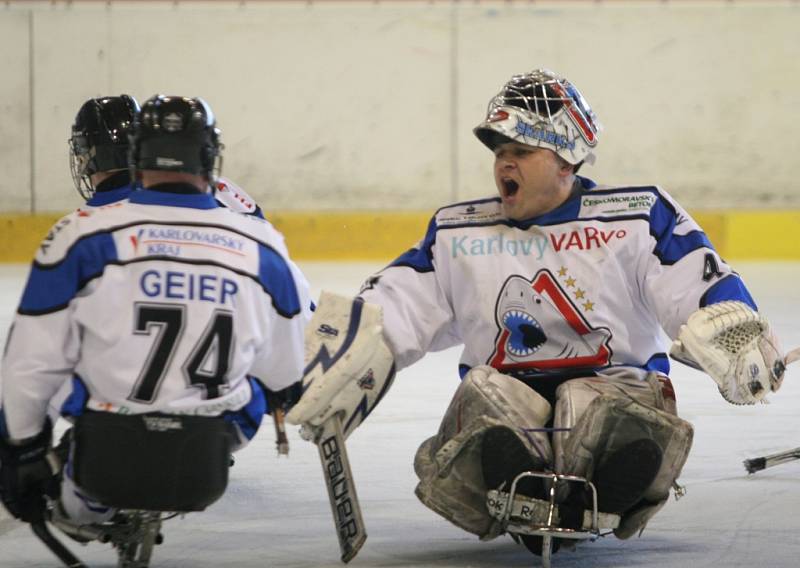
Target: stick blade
755,464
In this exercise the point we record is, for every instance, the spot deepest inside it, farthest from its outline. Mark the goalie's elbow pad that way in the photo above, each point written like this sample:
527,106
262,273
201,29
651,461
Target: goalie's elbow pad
736,347
349,367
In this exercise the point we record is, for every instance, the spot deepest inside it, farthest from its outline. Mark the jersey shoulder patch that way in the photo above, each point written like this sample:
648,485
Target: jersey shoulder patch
233,197
478,212
618,202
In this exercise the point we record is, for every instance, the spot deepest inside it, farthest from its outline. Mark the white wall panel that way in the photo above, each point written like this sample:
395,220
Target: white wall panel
370,105
15,115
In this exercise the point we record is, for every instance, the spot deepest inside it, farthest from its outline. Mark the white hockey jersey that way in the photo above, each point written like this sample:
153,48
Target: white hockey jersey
165,302
587,286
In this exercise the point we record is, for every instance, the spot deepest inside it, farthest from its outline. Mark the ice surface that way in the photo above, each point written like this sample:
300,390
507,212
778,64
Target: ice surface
276,514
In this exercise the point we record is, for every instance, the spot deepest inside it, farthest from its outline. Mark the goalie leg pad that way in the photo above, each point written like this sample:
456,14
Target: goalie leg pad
605,416
449,464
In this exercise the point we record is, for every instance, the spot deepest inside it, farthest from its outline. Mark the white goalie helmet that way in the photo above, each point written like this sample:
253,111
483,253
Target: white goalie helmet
544,110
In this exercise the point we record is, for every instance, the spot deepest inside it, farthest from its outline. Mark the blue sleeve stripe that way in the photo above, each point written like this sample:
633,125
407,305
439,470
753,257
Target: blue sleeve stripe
730,287
276,278
52,287
249,418
75,404
670,248
420,259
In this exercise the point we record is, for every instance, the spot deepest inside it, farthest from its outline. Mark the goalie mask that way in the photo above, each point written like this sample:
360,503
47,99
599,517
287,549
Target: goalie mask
176,134
99,140
543,110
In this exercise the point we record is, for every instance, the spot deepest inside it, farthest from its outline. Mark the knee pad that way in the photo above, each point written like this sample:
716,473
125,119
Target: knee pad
599,416
449,464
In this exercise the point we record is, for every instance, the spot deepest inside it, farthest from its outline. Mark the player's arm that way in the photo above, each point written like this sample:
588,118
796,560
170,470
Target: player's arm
415,296
706,308
285,313
44,341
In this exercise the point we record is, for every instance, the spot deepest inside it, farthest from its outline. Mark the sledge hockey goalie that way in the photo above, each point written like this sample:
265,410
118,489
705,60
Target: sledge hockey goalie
560,292
605,455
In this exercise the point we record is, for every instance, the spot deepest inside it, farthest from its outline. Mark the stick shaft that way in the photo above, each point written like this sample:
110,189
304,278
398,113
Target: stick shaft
67,558
346,509
281,441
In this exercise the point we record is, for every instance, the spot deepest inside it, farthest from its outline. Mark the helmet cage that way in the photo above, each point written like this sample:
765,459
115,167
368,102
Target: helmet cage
99,139
544,110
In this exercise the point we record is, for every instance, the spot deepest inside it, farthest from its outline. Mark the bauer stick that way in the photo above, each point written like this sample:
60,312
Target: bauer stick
346,509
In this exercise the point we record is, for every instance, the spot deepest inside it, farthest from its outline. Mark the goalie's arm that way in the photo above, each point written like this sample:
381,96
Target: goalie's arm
349,367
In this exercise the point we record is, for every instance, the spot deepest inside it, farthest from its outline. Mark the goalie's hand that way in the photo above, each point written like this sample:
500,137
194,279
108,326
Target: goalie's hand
349,367
735,346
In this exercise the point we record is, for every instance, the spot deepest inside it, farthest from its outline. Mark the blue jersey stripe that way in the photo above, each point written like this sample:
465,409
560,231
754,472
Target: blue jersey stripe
670,248
276,278
249,418
52,287
75,404
101,198
172,199
659,363
421,258
730,287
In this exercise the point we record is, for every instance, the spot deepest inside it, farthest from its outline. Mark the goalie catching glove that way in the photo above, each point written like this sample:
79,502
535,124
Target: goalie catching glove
734,344
349,367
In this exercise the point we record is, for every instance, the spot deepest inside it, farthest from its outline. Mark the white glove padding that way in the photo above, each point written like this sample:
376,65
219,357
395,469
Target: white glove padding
734,344
348,365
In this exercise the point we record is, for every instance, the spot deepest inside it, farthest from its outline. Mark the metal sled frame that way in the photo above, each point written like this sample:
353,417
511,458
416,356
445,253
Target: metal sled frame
133,540
549,530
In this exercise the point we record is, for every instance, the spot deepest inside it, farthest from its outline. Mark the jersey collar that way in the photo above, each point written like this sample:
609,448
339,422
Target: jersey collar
170,199
101,198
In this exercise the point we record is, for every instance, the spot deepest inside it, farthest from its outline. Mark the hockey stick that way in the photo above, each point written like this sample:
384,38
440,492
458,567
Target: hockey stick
757,464
43,533
281,441
346,509
753,465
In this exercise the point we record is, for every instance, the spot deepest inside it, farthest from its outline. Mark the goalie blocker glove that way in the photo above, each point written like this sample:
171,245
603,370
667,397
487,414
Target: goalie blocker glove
348,368
736,347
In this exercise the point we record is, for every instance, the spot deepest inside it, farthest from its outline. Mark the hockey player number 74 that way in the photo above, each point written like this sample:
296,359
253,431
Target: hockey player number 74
207,365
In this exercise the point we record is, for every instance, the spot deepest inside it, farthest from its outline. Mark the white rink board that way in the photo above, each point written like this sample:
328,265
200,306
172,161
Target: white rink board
370,105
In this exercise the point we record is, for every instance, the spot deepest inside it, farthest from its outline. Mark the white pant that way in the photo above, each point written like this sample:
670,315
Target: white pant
80,509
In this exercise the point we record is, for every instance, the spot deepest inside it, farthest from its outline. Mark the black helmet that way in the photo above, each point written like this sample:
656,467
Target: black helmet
99,141
176,134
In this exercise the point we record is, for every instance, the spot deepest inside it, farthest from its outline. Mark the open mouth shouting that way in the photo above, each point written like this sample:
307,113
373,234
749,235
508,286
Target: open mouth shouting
510,187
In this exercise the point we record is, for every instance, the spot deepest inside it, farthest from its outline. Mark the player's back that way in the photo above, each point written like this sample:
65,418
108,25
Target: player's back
168,301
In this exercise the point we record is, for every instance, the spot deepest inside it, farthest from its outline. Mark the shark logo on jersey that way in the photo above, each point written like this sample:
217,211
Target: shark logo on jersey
540,328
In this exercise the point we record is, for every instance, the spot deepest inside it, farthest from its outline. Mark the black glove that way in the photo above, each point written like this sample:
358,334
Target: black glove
26,476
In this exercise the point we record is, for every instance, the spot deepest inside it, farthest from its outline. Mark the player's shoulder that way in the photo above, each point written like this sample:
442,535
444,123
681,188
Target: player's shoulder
621,201
485,211
71,228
